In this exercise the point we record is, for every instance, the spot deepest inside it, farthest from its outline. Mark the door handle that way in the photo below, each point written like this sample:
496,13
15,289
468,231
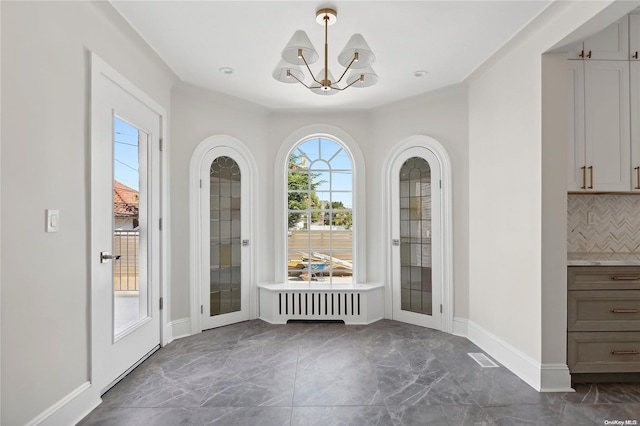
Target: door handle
105,256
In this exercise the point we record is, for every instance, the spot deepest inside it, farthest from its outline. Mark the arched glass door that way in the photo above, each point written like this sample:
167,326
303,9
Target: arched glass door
224,288
415,233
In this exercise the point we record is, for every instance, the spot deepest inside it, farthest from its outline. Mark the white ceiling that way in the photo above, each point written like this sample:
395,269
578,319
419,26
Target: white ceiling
449,39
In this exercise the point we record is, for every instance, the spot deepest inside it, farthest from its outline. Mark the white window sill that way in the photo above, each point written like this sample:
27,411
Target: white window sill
295,286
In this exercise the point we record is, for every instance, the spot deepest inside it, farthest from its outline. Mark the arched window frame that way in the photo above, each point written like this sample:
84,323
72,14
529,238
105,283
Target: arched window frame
280,196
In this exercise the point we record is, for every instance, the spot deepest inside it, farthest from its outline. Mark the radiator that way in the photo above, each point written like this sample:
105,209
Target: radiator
356,306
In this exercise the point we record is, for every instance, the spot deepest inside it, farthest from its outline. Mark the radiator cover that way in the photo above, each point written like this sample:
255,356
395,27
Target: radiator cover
351,303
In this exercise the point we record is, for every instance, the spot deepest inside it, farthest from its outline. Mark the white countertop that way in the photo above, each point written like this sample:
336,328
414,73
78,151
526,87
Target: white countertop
603,259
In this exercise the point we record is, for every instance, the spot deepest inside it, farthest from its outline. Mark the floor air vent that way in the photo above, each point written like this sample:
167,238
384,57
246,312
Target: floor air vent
483,360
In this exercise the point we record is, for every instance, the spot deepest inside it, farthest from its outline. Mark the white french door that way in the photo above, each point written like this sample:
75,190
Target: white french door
416,236
225,226
125,240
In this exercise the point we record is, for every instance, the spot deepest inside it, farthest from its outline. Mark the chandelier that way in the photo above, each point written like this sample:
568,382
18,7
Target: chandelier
356,56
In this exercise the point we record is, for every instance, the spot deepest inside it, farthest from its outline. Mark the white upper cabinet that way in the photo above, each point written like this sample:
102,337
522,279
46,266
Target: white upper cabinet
576,126
607,133
634,37
599,134
610,44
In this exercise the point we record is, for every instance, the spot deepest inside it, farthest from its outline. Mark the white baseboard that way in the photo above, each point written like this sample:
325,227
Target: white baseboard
555,378
179,328
80,402
70,409
460,327
541,377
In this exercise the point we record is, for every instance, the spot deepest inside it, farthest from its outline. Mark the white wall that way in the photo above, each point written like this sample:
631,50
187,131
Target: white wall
554,211
197,114
505,202
443,116
45,164
515,267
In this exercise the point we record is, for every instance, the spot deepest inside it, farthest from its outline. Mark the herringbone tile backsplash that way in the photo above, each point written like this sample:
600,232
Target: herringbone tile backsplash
616,227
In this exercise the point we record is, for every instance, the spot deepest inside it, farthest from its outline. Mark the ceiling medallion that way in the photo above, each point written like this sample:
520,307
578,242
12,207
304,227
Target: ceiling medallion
356,56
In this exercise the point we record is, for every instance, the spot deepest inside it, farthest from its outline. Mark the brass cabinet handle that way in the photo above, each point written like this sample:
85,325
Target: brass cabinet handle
584,177
637,169
581,55
591,181
589,55
614,352
635,55
625,278
624,311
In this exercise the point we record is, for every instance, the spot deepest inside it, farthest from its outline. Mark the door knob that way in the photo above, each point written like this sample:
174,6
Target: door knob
105,256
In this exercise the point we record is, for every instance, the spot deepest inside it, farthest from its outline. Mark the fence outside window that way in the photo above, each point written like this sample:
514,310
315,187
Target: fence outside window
126,270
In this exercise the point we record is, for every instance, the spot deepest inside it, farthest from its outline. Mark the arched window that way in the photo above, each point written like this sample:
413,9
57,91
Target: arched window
320,199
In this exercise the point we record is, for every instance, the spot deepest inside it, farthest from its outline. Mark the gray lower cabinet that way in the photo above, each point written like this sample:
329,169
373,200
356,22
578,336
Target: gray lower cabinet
603,323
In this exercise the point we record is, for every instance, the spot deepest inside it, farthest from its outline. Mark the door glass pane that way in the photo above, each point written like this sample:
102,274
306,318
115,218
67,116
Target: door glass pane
415,236
130,295
225,242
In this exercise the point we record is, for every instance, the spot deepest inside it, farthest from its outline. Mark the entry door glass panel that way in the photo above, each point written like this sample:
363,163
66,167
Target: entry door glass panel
130,292
225,238
415,237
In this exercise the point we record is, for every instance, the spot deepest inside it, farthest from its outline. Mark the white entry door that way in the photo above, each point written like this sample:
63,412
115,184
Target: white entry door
416,235
125,205
226,263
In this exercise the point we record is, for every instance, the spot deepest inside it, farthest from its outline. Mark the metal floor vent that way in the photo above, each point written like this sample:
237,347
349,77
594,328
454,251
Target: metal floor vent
483,360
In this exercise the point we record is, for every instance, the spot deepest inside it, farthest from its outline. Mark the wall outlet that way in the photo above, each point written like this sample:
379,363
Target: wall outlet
591,218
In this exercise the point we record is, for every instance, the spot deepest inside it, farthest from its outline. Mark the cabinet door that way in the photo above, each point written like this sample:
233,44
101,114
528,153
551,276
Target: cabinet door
576,52
576,175
607,132
634,37
635,125
612,43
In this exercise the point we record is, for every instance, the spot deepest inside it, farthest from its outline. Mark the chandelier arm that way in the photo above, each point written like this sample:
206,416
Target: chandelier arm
310,72
347,69
351,84
300,81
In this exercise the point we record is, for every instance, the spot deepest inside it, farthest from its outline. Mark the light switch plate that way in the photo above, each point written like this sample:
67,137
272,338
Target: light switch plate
53,220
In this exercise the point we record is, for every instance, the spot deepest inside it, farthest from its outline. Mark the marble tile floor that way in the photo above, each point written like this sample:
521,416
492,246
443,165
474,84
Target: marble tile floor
304,374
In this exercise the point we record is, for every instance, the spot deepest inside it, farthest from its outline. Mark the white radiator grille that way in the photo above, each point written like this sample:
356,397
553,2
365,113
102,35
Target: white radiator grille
318,305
